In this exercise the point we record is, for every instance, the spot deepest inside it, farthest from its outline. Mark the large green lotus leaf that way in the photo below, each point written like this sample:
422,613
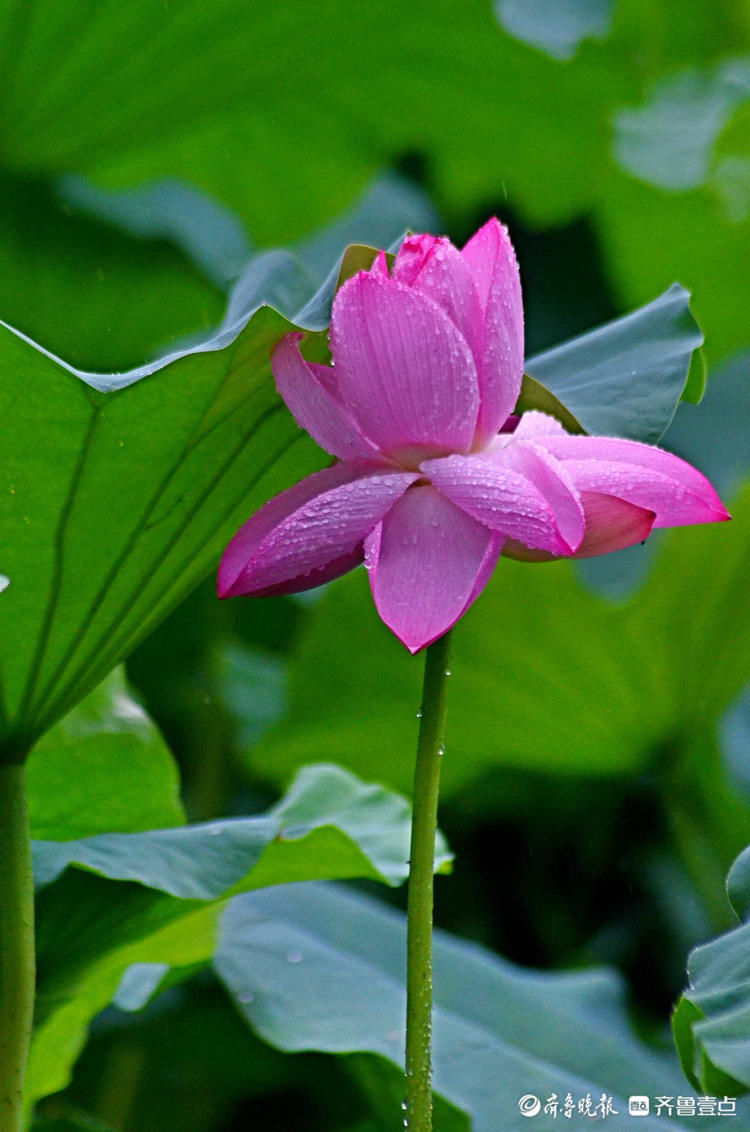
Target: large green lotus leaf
627,377
712,1020
155,896
315,967
103,768
546,675
122,489
325,805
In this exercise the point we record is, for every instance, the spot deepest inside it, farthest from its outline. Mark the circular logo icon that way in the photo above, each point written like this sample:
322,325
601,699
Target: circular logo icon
529,1105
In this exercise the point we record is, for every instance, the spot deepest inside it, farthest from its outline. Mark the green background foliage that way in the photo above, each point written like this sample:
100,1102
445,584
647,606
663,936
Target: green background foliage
597,776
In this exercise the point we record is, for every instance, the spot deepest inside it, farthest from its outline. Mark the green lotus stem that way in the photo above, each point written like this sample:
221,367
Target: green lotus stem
421,873
16,945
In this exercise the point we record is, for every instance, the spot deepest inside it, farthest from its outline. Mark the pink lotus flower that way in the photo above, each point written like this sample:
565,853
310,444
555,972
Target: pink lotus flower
434,478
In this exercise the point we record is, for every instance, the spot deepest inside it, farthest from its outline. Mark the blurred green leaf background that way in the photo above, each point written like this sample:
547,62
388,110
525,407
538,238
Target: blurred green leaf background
597,775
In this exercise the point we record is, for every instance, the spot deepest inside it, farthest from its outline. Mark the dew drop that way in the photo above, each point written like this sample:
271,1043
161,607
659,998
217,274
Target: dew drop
246,997
294,957
419,714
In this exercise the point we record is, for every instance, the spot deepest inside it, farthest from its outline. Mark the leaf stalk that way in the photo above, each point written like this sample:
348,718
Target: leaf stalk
17,965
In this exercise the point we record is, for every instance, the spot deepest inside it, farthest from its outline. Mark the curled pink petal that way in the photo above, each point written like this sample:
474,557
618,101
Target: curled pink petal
309,393
611,524
427,561
314,528
551,480
648,477
502,499
492,261
432,266
402,368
